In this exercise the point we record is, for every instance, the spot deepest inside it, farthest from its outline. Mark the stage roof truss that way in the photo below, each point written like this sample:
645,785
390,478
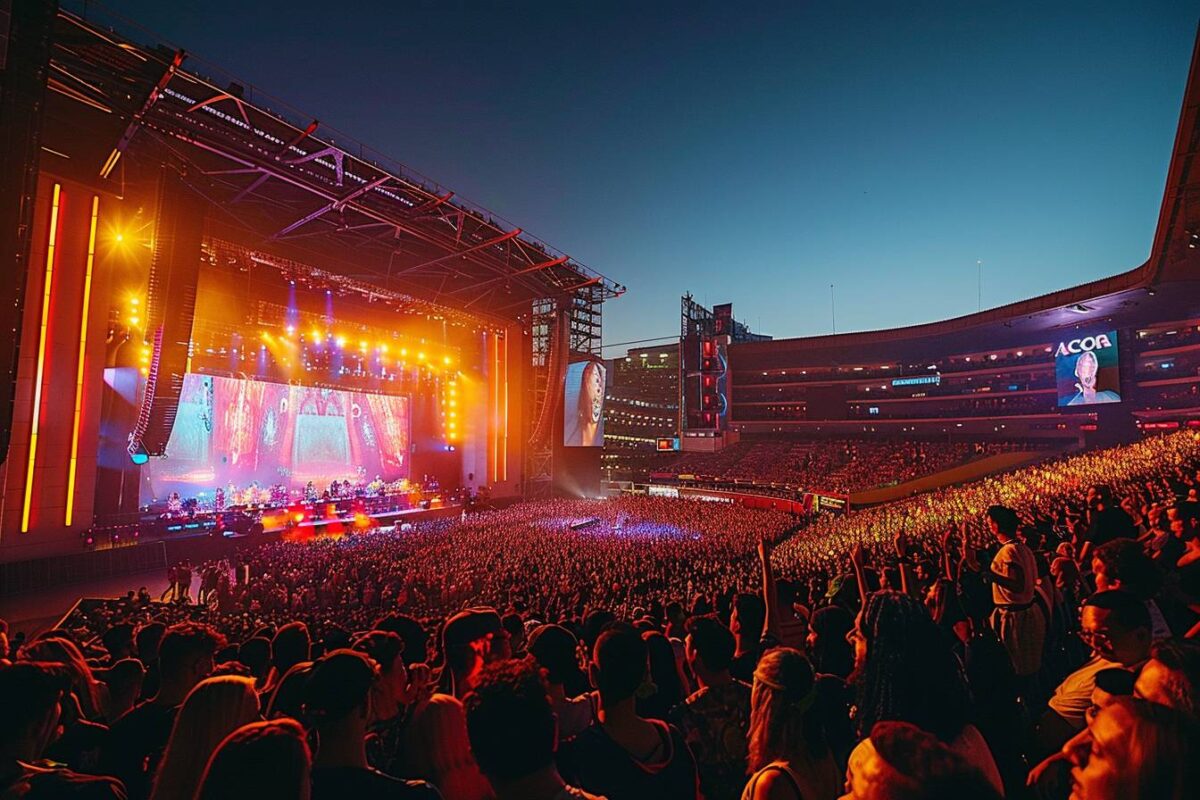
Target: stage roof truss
298,184
301,188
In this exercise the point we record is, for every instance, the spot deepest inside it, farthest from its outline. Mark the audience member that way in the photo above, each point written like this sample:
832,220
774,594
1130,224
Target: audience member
715,719
899,761
215,708
436,749
512,732
31,696
622,755
260,761
338,702
788,753
137,739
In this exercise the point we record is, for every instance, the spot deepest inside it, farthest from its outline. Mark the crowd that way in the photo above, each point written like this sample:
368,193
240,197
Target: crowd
1025,636
838,466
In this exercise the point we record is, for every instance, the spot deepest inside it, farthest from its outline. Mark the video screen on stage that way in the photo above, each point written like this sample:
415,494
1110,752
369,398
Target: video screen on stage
1087,370
583,405
237,433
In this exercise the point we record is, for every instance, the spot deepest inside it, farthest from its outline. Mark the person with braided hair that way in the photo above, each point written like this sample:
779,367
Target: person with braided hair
905,671
787,747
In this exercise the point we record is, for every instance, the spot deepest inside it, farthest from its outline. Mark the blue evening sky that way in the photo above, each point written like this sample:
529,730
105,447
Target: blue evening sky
754,153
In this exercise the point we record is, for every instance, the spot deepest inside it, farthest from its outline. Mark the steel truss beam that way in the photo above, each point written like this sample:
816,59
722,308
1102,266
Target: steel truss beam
140,114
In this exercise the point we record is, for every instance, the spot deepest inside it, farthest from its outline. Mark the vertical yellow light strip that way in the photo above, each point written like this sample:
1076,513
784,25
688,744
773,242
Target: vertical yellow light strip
83,331
41,358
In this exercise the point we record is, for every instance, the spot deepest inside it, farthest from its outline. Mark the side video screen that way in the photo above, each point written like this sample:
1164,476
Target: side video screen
1088,370
583,405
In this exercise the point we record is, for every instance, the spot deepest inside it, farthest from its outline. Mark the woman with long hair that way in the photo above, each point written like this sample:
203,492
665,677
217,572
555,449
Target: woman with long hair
788,753
437,749
215,708
259,761
57,649
905,670
664,673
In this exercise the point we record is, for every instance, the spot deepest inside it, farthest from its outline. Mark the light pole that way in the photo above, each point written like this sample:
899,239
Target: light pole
832,308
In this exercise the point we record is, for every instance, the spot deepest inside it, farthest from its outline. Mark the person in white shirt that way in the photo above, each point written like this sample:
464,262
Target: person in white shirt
1017,619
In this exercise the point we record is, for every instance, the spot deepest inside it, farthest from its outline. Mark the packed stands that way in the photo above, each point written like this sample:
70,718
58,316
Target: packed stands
838,466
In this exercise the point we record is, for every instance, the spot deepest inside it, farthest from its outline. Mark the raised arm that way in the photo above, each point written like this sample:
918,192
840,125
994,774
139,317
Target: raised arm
947,562
770,595
906,583
858,558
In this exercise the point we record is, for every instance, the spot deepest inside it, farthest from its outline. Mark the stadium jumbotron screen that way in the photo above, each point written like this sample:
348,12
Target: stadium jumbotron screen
583,405
1087,370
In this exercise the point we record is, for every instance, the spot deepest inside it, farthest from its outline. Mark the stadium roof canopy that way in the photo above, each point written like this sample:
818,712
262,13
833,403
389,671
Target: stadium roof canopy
284,182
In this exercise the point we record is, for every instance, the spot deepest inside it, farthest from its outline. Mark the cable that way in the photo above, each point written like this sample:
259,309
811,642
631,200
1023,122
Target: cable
637,341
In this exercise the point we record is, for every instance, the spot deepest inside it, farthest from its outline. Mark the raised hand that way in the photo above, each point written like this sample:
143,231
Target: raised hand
858,556
764,548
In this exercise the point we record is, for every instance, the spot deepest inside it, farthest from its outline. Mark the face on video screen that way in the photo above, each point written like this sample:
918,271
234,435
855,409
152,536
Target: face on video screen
583,405
1086,369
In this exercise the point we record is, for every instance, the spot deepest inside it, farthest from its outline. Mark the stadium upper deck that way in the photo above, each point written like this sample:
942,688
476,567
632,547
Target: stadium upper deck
1016,369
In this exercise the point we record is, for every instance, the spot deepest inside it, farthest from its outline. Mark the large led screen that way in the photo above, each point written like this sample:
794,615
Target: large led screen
583,405
239,432
1087,370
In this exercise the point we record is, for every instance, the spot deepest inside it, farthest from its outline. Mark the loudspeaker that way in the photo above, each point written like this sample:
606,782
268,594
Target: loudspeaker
171,305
